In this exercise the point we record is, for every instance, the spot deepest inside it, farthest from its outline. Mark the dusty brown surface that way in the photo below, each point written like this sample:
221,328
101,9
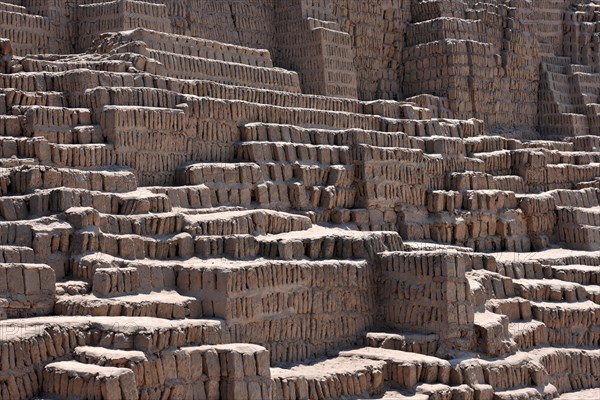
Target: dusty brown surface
293,199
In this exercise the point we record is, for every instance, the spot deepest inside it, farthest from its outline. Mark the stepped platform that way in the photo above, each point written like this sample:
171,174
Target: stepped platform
167,305
299,200
84,380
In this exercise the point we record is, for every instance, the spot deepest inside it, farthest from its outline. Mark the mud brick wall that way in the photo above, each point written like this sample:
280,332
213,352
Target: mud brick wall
489,69
61,15
118,15
505,42
296,309
30,34
29,178
377,29
546,22
199,47
427,292
518,72
241,371
339,75
227,371
248,23
321,54
385,184
583,368
428,10
203,18
492,221
26,290
24,355
540,215
95,19
447,69
137,136
185,67
581,38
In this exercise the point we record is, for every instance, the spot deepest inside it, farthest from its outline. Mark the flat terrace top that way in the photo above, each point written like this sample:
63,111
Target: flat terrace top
25,328
585,394
550,253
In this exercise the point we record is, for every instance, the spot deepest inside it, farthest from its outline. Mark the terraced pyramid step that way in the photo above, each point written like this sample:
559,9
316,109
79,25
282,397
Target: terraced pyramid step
481,181
550,290
252,222
210,371
270,132
41,118
514,371
96,155
492,334
443,28
583,237
191,67
26,290
197,47
201,197
286,223
162,97
83,134
71,378
225,223
321,242
17,254
10,125
7,6
219,175
581,274
240,297
553,145
184,245
291,152
594,293
103,356
115,63
581,327
17,151
300,185
409,342
582,363
16,18
29,179
61,199
516,308
526,393
529,334
138,224
522,269
47,340
579,216
126,333
490,289
338,120
330,379
206,60
583,394
12,97
405,369
167,305
72,287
